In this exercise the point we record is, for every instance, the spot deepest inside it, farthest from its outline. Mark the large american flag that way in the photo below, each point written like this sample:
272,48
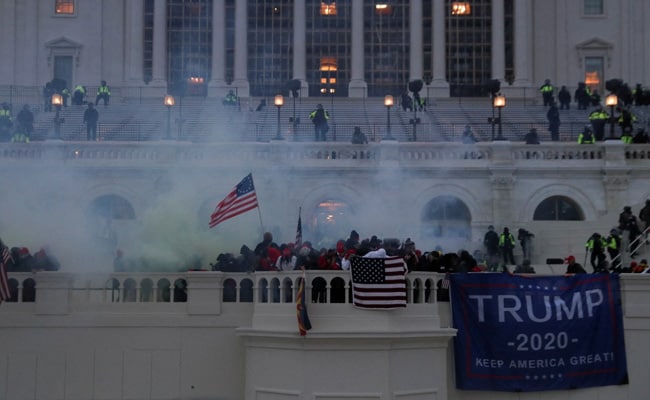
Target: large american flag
242,198
5,257
378,283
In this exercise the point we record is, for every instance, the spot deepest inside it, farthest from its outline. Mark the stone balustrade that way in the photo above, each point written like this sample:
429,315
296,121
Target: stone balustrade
164,152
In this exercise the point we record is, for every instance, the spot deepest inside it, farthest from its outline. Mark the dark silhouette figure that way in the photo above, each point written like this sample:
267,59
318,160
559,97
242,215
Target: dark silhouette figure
91,116
531,137
26,120
553,117
564,97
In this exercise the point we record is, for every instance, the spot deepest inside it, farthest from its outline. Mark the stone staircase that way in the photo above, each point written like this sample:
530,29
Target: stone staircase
205,119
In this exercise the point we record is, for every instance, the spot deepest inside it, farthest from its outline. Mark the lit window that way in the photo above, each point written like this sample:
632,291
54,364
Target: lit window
594,7
65,7
461,8
328,64
327,8
383,9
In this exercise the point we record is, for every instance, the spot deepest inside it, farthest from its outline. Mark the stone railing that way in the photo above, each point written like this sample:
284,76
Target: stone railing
64,291
320,154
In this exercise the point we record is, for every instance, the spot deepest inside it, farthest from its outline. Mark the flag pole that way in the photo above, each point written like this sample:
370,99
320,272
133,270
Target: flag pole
298,241
259,209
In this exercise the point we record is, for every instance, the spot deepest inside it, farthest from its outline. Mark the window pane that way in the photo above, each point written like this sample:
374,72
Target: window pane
558,208
594,69
64,7
594,7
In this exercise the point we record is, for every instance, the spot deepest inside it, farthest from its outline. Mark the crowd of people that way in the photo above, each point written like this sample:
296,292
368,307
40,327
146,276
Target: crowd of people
497,254
20,259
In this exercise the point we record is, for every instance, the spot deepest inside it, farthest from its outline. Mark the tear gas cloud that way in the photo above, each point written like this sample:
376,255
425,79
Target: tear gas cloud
49,207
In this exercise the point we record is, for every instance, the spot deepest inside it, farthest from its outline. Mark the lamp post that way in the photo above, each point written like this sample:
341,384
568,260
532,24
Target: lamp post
57,102
611,101
388,102
279,102
169,103
499,102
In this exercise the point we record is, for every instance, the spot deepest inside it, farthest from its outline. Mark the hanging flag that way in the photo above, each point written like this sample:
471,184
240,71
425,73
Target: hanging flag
301,309
378,283
526,334
241,199
5,293
298,242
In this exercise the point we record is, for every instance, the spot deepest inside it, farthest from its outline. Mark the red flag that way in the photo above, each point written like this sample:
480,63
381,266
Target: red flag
242,198
378,283
301,309
5,293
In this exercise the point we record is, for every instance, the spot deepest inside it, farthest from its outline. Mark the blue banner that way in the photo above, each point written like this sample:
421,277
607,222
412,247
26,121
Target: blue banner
524,334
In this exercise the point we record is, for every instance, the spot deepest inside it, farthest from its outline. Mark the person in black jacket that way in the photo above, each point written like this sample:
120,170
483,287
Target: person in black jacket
564,97
91,116
553,116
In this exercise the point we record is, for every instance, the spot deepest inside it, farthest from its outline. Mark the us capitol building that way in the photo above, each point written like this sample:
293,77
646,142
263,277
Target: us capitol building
176,330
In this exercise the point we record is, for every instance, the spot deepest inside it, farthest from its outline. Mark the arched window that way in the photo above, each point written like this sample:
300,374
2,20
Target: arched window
180,291
246,291
229,291
331,220
446,216
558,208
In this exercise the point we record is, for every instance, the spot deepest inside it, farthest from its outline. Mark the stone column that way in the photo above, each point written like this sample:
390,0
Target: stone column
358,86
300,46
439,84
134,38
8,46
523,44
216,86
498,41
53,293
159,75
415,40
240,80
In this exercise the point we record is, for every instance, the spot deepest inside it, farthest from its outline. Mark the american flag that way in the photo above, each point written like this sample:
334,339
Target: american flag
242,198
5,293
378,283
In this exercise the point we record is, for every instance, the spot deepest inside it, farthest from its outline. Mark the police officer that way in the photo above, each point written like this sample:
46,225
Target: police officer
596,244
319,118
103,93
507,244
598,119
5,121
78,95
547,92
614,249
586,136
231,99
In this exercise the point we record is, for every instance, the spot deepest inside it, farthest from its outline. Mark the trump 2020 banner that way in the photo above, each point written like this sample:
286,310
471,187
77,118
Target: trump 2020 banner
527,334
